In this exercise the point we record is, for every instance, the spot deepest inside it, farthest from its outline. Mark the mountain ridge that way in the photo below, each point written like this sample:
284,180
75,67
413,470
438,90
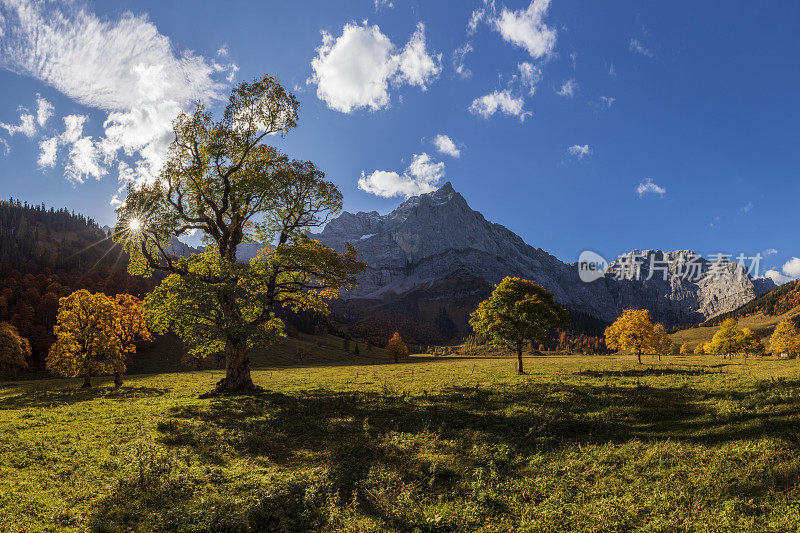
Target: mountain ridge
430,237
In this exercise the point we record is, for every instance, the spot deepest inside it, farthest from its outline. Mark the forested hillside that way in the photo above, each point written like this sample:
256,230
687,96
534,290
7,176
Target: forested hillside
45,254
774,303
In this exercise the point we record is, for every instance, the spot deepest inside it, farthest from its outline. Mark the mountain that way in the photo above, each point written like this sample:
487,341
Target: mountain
433,258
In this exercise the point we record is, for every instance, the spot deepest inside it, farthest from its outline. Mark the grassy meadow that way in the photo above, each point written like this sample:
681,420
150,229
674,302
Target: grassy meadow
431,444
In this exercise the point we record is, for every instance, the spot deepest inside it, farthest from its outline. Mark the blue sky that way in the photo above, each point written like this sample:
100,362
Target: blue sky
559,112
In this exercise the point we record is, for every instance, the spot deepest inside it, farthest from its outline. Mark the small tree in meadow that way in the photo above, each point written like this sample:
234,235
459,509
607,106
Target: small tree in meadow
685,350
785,339
396,347
632,331
85,343
661,343
14,349
518,312
700,349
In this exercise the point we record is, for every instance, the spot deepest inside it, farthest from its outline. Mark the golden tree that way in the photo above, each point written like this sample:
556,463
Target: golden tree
129,328
633,331
86,342
750,343
396,347
727,339
14,350
518,312
701,348
685,350
785,339
661,343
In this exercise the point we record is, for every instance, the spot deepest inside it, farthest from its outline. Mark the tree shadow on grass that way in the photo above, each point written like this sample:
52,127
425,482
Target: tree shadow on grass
39,398
367,441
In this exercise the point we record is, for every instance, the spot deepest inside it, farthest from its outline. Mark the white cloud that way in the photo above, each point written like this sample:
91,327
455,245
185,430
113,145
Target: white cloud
770,251
47,152
485,12
44,110
777,277
612,71
530,75
746,208
6,147
416,67
526,29
421,176
122,66
579,151
354,71
792,267
383,4
458,60
605,102
647,186
26,126
790,270
636,46
73,128
84,161
488,104
568,88
445,145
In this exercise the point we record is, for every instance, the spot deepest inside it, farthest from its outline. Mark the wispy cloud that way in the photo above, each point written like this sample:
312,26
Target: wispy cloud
568,88
647,186
579,151
636,46
458,60
122,66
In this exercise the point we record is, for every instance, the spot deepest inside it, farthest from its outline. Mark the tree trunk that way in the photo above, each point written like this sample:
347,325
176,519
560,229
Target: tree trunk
639,355
237,378
117,379
519,360
87,380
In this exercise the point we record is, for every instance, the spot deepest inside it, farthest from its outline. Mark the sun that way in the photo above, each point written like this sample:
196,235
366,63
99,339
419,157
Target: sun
135,224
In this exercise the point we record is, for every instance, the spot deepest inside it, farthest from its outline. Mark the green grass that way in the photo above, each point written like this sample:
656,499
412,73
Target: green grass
449,444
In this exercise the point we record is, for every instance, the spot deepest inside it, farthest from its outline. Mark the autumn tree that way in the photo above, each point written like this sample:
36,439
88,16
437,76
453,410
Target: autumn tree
701,348
221,181
129,328
633,331
750,343
518,312
85,340
785,339
14,350
727,339
685,350
661,343
396,347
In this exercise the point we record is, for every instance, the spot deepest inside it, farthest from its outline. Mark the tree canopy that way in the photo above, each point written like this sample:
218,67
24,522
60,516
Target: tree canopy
396,347
785,339
221,181
86,343
633,331
518,312
14,350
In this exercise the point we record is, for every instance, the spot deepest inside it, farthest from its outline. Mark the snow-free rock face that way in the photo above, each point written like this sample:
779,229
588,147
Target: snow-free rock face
434,236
